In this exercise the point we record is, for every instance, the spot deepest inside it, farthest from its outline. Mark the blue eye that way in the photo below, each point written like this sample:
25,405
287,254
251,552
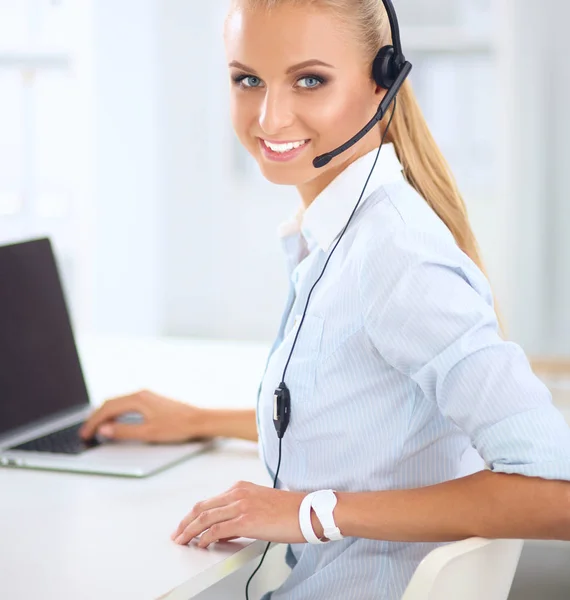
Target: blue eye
312,81
247,81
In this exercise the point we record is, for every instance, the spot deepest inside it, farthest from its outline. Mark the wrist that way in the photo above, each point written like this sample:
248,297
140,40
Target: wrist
325,515
343,513
204,424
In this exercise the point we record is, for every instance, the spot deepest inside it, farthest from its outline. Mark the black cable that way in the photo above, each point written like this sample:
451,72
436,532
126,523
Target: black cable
340,238
268,543
305,311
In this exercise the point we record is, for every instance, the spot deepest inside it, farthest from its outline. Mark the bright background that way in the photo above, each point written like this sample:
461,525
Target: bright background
115,141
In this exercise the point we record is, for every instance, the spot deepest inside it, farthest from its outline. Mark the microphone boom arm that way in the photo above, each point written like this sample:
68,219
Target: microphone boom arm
324,159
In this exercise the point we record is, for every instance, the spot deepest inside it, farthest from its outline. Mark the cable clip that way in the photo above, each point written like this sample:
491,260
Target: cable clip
281,409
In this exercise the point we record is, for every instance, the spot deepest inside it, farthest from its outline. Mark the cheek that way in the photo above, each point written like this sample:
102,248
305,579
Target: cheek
340,117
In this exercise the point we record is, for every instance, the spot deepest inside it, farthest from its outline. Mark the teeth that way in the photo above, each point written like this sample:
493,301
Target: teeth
284,147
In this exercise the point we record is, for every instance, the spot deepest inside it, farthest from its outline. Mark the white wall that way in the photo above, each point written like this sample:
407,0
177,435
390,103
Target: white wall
558,156
535,165
523,170
128,231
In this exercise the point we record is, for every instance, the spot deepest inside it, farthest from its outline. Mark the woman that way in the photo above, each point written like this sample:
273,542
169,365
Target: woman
398,369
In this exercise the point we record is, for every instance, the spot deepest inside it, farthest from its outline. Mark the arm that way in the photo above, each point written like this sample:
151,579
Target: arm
167,420
486,504
434,322
239,424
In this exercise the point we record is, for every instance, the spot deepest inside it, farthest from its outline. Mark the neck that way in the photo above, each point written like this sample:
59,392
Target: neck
311,189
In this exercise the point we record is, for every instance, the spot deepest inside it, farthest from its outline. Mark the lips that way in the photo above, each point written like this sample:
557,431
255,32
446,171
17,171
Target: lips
283,151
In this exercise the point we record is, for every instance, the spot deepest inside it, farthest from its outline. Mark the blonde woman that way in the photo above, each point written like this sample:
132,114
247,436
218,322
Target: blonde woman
401,385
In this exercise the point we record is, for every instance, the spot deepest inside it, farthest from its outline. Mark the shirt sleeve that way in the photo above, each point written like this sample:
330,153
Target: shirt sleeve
428,311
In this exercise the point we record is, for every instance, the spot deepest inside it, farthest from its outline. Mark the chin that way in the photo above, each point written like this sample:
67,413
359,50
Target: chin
282,174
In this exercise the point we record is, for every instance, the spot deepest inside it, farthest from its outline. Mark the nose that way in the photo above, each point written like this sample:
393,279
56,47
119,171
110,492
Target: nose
276,112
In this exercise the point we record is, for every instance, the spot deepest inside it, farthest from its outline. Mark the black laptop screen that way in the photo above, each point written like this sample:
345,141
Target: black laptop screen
40,373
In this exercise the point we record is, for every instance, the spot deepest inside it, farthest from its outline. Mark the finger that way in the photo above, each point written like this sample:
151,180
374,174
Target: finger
122,431
208,519
215,502
200,508
219,532
108,411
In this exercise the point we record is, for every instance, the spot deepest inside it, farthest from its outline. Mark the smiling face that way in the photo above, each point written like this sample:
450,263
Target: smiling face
300,86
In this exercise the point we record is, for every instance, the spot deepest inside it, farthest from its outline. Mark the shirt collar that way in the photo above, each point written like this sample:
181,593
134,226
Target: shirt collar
329,212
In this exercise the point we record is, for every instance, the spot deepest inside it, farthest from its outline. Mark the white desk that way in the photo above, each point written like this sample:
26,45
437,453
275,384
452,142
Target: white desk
73,536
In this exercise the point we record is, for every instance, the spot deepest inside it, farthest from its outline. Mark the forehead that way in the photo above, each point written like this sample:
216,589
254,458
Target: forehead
287,35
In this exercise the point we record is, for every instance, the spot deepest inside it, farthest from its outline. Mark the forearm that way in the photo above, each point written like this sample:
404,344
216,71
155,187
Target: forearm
485,504
239,424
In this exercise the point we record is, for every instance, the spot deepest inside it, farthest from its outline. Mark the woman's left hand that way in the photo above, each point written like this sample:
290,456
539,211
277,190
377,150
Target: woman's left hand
245,510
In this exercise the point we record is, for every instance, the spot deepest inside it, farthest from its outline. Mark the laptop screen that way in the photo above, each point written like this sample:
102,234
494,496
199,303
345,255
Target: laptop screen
40,372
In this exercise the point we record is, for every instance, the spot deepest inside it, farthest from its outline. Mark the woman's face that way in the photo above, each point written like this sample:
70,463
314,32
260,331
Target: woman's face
300,87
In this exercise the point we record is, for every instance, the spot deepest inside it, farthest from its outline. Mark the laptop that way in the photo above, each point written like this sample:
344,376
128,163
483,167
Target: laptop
43,394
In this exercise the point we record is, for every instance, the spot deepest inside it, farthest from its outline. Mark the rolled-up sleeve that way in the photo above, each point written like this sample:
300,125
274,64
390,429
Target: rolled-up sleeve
428,311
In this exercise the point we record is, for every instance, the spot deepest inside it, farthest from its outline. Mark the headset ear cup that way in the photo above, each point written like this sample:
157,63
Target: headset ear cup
383,67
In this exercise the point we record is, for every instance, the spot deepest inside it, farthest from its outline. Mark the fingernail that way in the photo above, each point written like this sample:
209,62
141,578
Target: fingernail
178,540
106,430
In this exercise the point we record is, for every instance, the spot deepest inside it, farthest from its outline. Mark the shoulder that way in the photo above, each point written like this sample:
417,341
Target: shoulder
400,235
403,220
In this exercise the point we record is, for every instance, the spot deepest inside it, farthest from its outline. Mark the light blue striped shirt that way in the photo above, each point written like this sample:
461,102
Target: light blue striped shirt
399,378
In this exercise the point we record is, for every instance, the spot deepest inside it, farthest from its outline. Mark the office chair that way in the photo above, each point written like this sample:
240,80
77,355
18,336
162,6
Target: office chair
470,569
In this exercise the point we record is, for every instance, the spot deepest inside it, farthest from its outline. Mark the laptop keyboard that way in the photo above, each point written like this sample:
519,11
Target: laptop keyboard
64,441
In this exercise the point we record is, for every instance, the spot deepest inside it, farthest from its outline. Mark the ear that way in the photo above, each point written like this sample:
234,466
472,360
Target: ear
379,93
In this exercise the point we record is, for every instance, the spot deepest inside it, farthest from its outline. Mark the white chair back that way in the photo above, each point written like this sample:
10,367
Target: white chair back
470,569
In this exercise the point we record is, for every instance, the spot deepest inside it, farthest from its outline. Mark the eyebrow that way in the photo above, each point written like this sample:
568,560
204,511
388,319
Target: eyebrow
302,65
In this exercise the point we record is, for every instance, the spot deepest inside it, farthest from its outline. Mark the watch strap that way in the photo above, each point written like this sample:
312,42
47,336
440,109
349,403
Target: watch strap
305,520
323,503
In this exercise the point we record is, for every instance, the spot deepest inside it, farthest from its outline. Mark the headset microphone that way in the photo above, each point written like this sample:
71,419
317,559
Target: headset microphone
324,159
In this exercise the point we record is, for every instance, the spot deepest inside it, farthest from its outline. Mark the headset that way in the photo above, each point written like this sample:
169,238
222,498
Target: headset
389,70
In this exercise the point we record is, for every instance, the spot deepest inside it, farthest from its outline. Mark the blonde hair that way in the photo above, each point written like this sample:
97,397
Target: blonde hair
425,168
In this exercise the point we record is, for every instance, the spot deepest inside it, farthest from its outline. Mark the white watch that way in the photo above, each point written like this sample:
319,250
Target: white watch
323,503
305,521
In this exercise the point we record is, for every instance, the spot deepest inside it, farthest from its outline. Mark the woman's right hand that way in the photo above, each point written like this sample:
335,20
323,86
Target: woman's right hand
163,420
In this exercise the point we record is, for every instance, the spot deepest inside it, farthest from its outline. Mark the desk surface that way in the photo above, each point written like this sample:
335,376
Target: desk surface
70,536
91,537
